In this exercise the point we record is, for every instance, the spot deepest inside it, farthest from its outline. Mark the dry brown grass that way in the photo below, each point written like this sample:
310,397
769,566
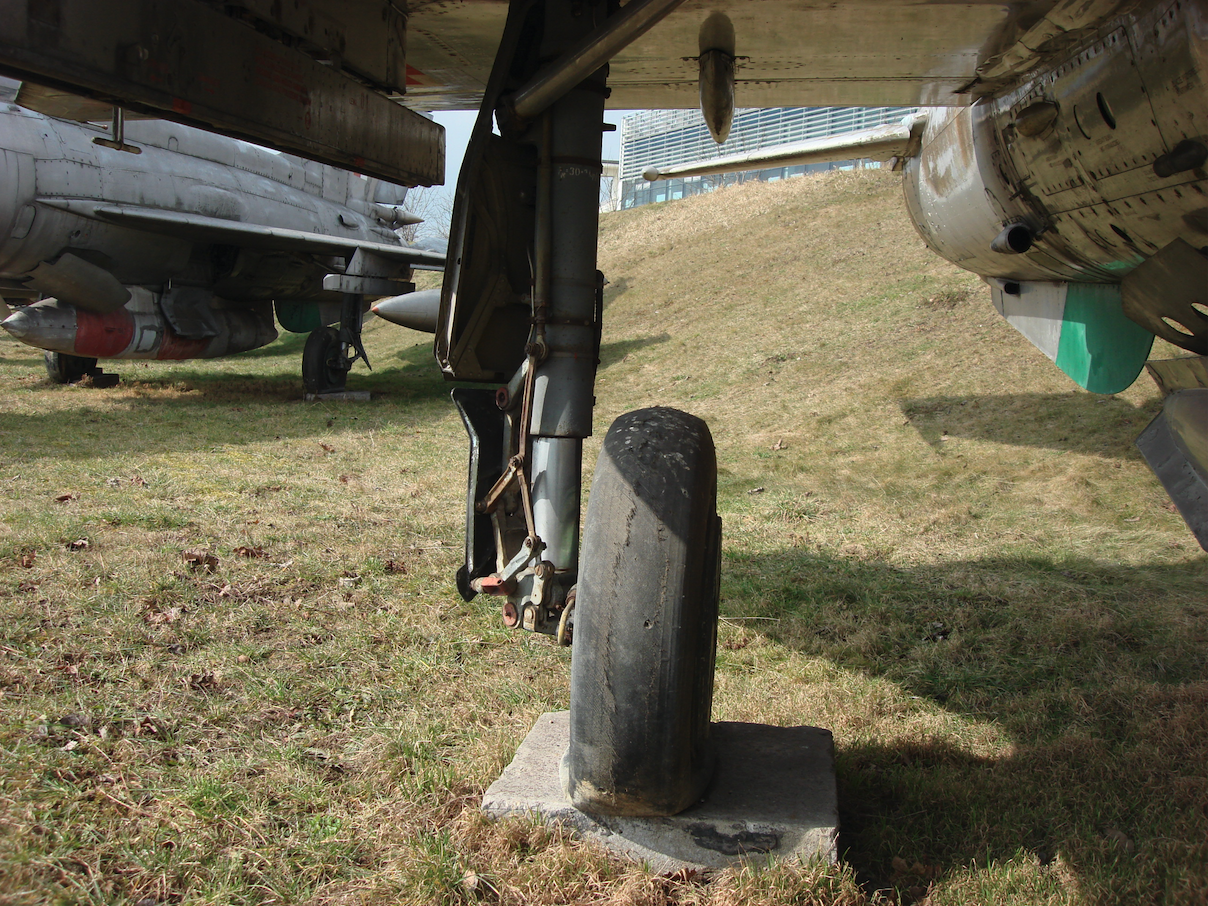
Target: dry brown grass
935,547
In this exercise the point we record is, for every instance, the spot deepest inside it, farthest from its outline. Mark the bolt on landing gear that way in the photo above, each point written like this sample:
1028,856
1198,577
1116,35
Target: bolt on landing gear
521,306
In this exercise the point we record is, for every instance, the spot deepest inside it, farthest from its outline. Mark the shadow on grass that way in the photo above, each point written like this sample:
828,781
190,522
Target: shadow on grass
611,353
1098,673
614,289
1076,422
189,409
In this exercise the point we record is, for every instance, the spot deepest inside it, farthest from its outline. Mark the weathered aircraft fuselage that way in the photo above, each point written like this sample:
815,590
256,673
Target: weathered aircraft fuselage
55,177
1084,157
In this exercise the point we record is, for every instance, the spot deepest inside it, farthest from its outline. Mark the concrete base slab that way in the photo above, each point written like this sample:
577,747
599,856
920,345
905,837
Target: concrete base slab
773,796
339,396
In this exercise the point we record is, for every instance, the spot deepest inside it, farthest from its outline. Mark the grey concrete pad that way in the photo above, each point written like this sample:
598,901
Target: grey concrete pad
339,396
773,796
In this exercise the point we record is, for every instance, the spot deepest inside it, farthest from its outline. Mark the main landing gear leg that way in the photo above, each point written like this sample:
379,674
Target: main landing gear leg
641,602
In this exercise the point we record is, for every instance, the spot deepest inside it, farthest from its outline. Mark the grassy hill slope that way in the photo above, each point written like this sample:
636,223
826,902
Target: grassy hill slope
935,545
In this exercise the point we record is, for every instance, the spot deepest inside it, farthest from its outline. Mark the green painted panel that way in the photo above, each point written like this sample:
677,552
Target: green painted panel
1101,349
299,317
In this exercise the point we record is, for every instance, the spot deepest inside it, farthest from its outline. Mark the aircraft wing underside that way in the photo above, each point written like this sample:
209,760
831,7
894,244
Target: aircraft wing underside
263,71
252,235
790,52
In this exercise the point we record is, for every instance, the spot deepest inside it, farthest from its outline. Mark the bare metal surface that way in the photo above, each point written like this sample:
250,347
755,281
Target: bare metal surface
557,467
866,53
589,54
879,143
1085,185
717,91
1175,445
1163,293
1185,373
271,228
75,281
799,52
416,310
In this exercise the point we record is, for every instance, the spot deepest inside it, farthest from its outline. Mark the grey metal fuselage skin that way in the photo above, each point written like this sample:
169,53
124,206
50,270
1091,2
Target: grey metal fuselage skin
57,183
1083,180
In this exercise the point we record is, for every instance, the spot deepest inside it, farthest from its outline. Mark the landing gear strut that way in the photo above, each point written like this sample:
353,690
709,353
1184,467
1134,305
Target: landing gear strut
521,306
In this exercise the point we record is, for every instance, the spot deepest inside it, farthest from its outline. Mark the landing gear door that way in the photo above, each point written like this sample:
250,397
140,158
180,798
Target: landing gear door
485,306
485,310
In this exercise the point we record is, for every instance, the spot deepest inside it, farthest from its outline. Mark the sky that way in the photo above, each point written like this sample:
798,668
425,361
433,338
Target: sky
458,125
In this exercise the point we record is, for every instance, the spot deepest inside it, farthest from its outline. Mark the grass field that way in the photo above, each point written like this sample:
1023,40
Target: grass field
234,667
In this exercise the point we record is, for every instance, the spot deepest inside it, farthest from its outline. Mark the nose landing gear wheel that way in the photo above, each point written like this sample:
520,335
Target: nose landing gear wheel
63,368
324,366
641,686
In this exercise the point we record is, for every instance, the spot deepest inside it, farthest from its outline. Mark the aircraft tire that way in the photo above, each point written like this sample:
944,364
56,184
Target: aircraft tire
63,368
320,373
645,642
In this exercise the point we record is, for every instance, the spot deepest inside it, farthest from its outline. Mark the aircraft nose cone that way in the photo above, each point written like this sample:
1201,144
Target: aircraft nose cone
17,324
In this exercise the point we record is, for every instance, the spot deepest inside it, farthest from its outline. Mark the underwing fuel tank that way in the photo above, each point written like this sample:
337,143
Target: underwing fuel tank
418,310
139,330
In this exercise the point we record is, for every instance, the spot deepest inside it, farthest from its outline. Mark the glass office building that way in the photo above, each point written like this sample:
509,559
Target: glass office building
664,138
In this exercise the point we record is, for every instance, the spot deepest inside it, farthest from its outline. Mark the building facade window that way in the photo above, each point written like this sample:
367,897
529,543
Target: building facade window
665,138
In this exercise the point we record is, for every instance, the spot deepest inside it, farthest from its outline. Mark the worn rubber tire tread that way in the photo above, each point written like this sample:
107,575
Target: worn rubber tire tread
317,375
64,368
646,620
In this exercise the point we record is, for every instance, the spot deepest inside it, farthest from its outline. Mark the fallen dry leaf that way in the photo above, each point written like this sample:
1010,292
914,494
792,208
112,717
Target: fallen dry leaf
70,495
903,869
683,876
327,448
202,682
475,885
155,615
27,559
80,544
200,560
243,551
395,566
146,727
